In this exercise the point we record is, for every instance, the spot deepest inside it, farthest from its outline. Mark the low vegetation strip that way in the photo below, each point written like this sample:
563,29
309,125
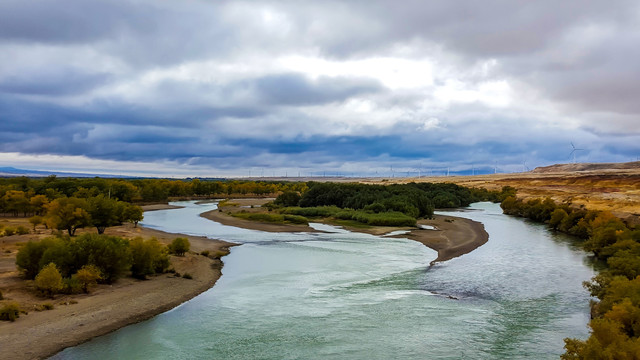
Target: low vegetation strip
615,324
271,218
390,218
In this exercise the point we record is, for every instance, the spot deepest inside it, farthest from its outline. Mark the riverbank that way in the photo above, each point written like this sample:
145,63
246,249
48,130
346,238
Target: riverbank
451,237
78,318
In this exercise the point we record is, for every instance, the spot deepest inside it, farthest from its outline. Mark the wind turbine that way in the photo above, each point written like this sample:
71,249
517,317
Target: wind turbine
573,152
525,168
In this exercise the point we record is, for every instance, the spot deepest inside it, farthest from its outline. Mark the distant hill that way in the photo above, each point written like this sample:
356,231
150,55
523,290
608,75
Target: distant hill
563,168
12,172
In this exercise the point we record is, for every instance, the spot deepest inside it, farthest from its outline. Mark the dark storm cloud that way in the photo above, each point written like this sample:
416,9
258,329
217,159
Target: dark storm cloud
52,82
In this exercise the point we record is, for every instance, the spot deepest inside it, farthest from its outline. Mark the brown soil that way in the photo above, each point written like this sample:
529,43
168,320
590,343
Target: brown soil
453,237
78,318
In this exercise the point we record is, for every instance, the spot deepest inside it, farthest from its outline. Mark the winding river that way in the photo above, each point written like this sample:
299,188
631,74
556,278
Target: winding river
345,295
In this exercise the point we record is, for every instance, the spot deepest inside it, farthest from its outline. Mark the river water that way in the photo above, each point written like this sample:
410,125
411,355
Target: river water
345,295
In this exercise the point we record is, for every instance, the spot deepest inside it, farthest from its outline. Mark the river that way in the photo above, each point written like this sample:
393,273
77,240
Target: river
345,295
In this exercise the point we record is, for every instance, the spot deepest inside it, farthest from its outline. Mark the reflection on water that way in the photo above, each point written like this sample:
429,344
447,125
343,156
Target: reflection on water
346,295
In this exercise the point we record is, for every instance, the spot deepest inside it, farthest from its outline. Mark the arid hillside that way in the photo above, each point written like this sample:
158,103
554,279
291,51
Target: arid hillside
613,187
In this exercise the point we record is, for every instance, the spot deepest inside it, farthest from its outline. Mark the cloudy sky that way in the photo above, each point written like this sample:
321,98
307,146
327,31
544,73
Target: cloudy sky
233,88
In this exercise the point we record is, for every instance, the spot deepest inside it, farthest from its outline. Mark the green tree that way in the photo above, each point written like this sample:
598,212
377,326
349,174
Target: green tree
104,212
148,257
288,198
35,221
179,246
29,256
111,254
68,214
38,204
49,280
132,213
16,202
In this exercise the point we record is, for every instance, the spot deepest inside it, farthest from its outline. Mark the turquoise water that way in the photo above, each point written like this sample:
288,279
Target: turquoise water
344,295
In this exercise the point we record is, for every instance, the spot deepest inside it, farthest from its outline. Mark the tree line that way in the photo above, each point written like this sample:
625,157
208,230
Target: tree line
135,190
71,213
384,205
615,324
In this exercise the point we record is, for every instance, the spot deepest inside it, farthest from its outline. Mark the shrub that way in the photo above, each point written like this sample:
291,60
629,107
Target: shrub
87,276
205,253
71,285
49,280
187,276
220,253
269,218
21,230
47,306
179,246
10,312
8,231
317,211
296,219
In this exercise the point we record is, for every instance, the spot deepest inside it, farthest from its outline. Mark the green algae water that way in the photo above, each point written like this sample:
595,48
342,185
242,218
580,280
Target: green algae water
343,295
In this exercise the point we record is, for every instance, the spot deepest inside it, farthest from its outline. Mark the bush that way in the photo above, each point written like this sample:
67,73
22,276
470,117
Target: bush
187,276
87,276
179,246
317,211
21,230
47,306
71,285
8,231
205,253
49,280
269,218
296,219
220,253
10,312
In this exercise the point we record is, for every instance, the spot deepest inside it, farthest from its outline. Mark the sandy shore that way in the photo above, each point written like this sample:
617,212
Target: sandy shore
452,237
109,307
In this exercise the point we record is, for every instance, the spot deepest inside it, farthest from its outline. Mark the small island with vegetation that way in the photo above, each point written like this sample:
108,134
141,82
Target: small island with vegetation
373,209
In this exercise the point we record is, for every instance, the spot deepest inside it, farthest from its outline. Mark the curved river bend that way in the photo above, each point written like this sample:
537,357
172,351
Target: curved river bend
345,295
